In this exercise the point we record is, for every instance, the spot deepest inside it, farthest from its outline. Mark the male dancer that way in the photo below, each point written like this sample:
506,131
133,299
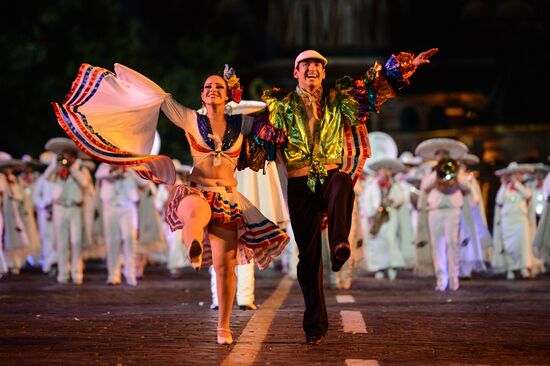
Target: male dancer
315,123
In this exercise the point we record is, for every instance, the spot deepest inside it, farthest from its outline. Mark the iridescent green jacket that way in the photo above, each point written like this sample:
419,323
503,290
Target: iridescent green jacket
347,104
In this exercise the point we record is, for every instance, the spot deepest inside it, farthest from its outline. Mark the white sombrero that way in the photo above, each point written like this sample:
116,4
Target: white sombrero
514,167
470,159
7,160
46,157
427,149
408,158
394,164
541,167
30,161
382,145
59,144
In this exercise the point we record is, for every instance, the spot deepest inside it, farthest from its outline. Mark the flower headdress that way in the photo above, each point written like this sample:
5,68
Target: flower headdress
235,91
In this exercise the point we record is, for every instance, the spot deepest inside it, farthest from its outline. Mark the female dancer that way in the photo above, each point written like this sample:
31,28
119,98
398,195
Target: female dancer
113,119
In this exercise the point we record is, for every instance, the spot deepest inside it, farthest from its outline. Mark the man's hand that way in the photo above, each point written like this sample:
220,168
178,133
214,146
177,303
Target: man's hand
424,57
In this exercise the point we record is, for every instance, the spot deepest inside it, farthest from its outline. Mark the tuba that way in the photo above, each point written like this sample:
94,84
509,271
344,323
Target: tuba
446,170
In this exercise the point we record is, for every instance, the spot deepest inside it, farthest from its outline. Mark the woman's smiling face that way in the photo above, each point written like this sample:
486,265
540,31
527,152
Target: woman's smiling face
214,90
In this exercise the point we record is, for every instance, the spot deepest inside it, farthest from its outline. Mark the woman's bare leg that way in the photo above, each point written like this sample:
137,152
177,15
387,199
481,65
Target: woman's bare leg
224,250
194,212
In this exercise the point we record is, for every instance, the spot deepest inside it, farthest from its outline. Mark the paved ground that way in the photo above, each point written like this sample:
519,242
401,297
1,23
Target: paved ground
167,322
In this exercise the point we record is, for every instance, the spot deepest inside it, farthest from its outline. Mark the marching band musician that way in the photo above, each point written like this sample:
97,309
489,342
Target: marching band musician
409,182
118,191
440,208
380,202
43,201
68,185
514,224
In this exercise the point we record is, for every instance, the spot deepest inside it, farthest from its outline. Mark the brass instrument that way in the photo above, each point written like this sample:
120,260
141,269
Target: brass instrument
447,170
382,216
447,173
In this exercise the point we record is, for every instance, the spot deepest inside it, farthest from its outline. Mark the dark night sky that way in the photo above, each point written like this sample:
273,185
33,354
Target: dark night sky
495,47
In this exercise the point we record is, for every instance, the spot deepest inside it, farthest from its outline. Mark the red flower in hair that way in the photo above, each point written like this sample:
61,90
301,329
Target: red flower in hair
235,91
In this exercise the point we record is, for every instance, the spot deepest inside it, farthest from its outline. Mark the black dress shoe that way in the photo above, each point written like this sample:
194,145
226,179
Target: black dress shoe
314,339
341,254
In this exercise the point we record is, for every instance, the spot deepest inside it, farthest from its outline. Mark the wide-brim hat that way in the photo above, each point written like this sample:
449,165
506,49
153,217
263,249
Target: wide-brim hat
6,160
427,149
394,164
408,158
514,168
59,144
310,54
470,159
46,157
382,146
32,162
541,167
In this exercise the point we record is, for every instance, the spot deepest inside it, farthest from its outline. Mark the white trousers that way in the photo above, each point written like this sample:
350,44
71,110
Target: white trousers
120,226
516,243
177,252
67,223
45,229
444,227
245,284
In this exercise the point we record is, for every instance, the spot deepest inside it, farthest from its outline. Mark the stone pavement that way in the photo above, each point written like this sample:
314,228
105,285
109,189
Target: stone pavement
168,322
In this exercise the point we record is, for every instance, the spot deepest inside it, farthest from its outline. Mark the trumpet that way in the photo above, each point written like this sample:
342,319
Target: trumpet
446,170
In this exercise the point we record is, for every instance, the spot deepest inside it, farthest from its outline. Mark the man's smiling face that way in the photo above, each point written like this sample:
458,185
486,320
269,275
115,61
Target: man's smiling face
310,74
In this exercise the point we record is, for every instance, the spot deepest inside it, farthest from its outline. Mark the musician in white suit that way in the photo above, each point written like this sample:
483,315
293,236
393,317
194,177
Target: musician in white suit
43,201
408,214
514,224
119,195
441,203
68,185
380,204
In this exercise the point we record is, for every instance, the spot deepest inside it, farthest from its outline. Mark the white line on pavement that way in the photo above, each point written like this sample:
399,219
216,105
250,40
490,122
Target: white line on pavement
344,299
356,362
250,342
353,322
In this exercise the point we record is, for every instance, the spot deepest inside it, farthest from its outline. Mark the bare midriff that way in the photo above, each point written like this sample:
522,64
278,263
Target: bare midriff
209,175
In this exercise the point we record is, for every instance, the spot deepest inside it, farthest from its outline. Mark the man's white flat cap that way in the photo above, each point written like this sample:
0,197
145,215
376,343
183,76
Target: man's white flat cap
310,54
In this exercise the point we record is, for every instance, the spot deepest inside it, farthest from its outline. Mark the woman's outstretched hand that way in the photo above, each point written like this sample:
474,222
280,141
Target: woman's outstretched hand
424,57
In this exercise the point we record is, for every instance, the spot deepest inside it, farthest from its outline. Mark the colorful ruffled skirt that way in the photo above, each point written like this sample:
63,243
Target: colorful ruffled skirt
259,238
